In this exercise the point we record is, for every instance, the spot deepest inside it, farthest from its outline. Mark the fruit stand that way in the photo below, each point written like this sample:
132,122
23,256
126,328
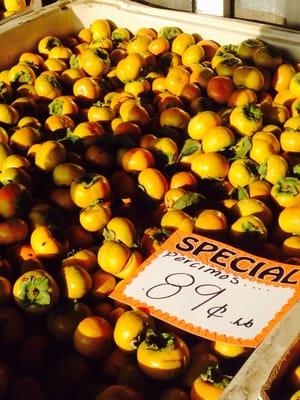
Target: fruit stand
131,138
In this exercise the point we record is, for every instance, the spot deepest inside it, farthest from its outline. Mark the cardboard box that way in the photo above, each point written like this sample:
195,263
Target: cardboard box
66,17
259,376
281,12
220,8
182,5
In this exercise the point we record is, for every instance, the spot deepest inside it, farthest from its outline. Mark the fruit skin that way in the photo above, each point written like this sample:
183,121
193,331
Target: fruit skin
291,246
201,123
274,168
264,145
289,219
286,192
202,390
295,396
290,141
62,321
294,85
115,392
118,259
89,188
210,165
282,77
49,155
95,217
8,114
249,77
137,159
240,173
248,228
211,222
76,281
14,200
220,88
36,292
177,219
165,362
122,230
154,183
227,350
217,139
93,337
253,207
14,5
13,230
64,174
129,328
246,120
49,242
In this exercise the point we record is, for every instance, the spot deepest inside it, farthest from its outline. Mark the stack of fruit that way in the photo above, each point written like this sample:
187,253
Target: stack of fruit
110,141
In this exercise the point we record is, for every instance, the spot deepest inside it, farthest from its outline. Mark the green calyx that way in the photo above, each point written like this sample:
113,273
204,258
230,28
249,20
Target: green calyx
100,104
252,43
109,234
215,376
160,235
101,53
70,137
252,229
241,148
74,61
229,62
187,200
296,169
242,193
21,77
53,42
288,186
169,32
137,341
252,112
263,169
35,291
88,179
230,49
54,82
189,147
56,107
117,37
159,341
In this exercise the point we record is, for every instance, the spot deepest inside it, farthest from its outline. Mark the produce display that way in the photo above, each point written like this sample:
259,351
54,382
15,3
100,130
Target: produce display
110,140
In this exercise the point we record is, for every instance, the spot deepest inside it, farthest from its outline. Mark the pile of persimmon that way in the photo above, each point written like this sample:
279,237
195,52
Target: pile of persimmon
110,140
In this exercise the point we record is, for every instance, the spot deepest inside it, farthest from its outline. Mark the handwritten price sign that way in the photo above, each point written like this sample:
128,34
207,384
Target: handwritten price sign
212,290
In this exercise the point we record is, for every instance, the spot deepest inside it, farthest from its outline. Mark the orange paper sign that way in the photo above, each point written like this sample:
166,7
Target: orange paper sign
212,290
